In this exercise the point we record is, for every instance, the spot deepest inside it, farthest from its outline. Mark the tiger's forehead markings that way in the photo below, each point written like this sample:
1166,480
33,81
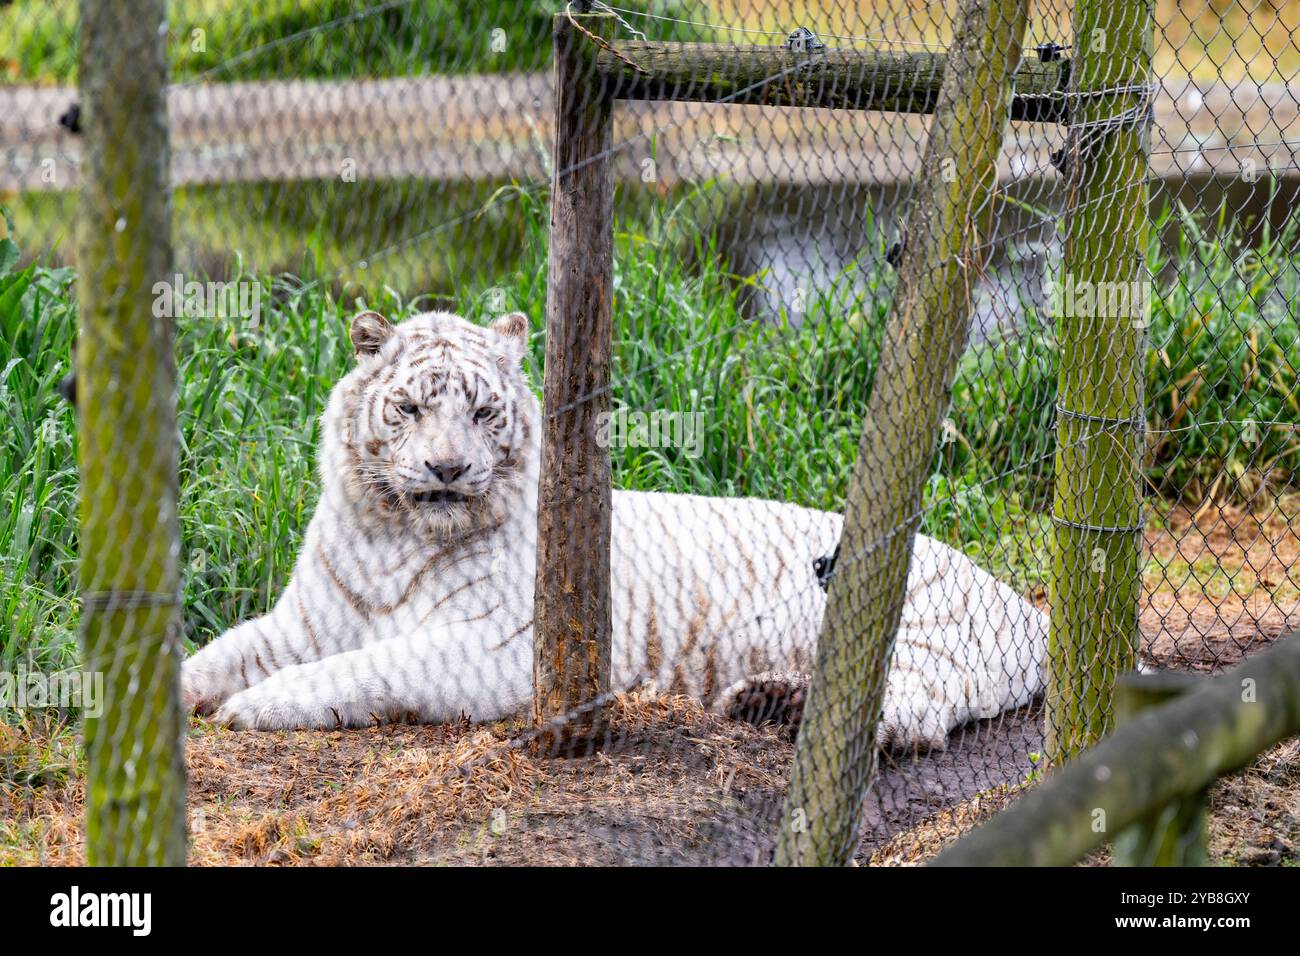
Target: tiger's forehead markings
433,379
379,373
447,352
453,340
421,343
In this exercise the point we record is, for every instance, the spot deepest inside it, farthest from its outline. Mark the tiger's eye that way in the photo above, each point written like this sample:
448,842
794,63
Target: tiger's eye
408,409
484,413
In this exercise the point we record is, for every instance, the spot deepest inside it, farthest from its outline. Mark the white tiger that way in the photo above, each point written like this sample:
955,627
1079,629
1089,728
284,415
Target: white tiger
412,597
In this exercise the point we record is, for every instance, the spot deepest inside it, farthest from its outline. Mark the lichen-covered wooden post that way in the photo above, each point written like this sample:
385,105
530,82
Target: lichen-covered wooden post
1101,311
1177,834
571,650
126,397
923,341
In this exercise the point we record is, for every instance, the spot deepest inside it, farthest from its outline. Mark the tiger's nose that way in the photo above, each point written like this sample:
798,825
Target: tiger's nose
447,471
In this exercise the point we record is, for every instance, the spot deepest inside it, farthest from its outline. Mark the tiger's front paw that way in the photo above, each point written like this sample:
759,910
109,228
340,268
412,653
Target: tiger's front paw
266,706
775,698
205,687
915,720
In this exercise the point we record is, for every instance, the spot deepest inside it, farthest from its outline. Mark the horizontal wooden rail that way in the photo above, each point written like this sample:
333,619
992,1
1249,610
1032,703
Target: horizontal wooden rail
835,79
1164,756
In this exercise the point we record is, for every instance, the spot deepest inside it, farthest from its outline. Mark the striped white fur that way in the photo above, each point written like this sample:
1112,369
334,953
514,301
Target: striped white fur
402,607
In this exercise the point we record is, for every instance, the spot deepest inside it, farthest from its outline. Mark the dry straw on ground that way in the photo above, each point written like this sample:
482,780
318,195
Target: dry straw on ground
683,786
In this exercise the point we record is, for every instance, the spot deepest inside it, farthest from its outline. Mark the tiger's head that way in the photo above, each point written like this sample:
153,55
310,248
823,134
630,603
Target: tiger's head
436,428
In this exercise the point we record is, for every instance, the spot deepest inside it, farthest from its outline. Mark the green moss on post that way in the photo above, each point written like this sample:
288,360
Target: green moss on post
126,392
1101,305
923,341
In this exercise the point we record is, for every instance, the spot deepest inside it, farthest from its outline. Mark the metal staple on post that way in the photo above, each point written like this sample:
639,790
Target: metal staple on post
601,41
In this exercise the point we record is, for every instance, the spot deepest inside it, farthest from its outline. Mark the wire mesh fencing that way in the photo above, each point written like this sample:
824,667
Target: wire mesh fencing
638,433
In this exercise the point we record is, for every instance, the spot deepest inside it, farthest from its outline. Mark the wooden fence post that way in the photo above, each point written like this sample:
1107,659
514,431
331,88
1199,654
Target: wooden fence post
1178,833
923,341
126,401
571,650
1101,303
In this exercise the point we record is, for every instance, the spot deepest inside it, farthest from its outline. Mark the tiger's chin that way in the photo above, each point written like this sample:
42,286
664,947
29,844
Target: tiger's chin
440,514
446,519
449,514
440,498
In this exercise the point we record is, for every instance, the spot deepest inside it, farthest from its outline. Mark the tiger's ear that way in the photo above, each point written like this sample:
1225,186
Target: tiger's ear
370,331
512,330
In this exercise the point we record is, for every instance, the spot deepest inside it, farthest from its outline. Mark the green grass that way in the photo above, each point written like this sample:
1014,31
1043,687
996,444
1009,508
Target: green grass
780,405
249,400
38,477
225,40
38,37
1226,349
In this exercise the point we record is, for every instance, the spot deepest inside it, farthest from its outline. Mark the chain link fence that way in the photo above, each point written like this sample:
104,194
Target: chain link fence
638,433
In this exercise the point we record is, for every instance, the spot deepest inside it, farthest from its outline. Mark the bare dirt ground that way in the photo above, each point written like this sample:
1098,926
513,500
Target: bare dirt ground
684,786
678,785
1223,582
1254,818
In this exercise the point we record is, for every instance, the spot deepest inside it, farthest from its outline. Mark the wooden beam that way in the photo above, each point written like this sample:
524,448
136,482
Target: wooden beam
1162,756
927,326
573,629
835,79
1096,545
1178,833
126,411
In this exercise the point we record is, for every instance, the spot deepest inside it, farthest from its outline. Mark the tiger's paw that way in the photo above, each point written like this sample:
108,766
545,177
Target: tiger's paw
273,705
205,687
767,698
915,722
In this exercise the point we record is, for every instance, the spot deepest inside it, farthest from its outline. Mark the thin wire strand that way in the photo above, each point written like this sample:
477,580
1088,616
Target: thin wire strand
865,38
295,37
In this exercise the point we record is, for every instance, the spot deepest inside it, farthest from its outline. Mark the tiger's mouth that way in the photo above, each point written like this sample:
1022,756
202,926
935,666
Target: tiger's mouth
439,497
